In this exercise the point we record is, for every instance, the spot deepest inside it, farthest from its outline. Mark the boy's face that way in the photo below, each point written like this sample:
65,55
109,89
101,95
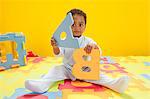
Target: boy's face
79,25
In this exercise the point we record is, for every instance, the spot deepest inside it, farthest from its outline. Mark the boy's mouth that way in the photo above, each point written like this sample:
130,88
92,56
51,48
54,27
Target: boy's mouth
77,36
77,32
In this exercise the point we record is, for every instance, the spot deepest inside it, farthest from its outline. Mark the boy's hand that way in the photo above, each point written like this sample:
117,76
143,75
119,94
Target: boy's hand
89,48
53,42
56,49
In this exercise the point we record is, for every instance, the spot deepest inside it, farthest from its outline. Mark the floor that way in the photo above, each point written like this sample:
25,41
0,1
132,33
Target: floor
136,67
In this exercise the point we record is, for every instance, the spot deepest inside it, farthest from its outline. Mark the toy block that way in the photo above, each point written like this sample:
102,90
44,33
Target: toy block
9,61
92,64
65,27
5,47
15,66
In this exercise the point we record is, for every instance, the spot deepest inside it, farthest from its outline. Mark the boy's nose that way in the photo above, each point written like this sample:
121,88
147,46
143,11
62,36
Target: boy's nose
76,28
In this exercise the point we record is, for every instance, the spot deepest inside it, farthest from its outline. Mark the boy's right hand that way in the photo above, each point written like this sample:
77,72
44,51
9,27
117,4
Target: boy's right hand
53,42
56,49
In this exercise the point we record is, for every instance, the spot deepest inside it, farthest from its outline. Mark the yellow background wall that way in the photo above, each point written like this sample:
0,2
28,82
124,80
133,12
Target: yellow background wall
121,27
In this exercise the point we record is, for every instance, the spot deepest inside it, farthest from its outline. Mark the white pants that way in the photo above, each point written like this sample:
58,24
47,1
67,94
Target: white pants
58,73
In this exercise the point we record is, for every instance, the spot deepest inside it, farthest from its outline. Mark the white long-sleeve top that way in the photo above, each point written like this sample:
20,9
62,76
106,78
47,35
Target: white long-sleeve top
68,52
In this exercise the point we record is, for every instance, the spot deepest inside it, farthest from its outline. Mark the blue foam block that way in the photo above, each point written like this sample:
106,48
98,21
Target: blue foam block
19,39
65,26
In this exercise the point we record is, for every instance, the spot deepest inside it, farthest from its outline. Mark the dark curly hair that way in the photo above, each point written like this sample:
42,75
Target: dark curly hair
79,12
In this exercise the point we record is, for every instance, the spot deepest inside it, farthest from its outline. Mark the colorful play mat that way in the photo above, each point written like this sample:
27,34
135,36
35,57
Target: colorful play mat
136,67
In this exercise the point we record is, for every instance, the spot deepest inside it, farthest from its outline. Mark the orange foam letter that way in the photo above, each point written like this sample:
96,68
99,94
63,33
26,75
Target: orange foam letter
92,64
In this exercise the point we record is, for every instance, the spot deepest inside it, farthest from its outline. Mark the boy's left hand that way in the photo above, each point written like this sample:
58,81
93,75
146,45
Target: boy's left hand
88,48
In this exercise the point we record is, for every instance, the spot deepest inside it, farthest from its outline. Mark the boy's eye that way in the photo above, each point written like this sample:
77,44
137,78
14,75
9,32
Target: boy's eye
81,25
73,25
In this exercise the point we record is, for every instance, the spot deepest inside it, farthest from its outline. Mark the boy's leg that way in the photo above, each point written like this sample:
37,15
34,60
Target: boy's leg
56,73
118,84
